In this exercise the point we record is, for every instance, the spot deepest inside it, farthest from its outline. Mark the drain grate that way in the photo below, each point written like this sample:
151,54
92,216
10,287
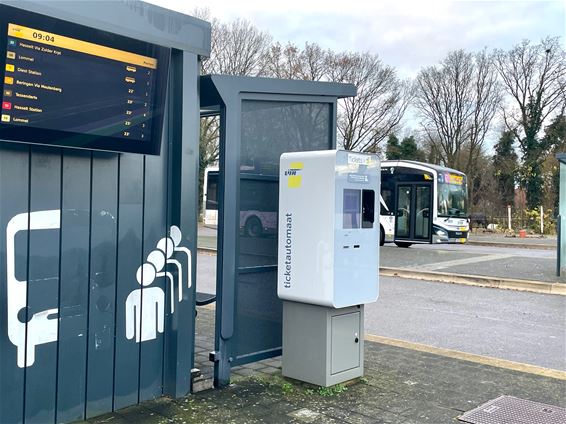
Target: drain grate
512,410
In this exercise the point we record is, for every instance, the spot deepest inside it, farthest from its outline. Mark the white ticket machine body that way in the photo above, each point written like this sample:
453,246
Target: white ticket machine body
328,261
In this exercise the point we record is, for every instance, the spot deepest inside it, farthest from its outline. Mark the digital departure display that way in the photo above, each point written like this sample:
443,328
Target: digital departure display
69,85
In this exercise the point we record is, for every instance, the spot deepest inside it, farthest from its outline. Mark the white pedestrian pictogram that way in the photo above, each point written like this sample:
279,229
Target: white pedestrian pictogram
145,307
145,312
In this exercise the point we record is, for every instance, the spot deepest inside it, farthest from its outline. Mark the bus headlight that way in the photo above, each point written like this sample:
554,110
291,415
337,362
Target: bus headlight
441,233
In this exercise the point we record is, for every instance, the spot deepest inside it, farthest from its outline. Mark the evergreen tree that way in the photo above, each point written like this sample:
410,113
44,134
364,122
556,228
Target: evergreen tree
393,150
410,151
505,167
554,141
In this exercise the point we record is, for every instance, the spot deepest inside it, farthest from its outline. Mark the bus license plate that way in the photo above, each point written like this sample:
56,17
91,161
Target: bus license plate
462,240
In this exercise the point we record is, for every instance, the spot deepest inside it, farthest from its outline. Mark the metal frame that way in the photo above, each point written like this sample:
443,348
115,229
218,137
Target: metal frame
228,92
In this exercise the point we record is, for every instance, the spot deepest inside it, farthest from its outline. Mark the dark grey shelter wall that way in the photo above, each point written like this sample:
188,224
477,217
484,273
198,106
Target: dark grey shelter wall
113,213
75,227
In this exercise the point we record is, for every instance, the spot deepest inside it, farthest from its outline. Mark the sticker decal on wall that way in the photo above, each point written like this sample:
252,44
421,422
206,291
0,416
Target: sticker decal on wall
145,308
42,327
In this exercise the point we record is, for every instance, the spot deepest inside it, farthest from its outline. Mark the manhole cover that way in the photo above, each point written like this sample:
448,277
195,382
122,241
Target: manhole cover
512,410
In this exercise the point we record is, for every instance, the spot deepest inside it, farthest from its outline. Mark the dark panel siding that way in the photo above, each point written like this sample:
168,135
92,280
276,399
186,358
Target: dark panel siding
43,284
130,225
74,285
104,210
14,186
155,227
112,211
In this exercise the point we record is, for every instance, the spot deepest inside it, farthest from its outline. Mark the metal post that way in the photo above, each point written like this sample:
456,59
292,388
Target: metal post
558,245
541,220
509,217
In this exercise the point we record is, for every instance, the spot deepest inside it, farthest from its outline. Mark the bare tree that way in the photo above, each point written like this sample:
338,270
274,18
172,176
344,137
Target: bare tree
290,62
237,48
284,62
443,103
365,120
457,102
534,76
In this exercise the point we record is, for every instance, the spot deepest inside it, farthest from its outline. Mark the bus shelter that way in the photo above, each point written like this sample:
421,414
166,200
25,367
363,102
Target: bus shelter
260,118
96,280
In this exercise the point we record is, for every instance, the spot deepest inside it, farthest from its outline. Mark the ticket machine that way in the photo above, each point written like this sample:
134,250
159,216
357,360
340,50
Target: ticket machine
328,261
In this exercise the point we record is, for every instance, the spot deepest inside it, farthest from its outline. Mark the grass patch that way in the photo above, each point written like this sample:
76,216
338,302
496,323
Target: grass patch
332,390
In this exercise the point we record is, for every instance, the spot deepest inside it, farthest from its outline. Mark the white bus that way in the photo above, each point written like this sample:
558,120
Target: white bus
422,203
258,203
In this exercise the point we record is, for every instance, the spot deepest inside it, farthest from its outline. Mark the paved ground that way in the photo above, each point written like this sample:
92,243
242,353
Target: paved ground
517,326
490,260
400,386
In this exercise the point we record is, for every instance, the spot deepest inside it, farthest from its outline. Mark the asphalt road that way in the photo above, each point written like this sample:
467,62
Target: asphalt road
506,262
517,326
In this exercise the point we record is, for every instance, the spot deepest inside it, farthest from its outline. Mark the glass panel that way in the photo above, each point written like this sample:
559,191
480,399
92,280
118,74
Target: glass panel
368,208
351,209
422,208
403,218
272,128
212,192
268,130
258,323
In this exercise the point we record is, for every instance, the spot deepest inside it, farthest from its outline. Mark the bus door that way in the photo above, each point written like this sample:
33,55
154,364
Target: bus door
413,217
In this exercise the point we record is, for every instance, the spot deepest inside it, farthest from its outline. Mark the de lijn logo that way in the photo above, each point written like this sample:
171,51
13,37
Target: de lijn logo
293,174
145,314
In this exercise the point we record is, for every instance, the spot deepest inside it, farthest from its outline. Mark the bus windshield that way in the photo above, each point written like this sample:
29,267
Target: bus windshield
452,195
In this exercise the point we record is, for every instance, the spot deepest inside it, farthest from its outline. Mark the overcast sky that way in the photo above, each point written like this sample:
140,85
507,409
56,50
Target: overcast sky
406,34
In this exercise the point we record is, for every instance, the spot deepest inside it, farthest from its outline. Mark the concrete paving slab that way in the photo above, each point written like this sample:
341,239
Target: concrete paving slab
400,386
535,269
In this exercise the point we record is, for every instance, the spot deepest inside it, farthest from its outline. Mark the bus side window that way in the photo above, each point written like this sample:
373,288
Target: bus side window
368,208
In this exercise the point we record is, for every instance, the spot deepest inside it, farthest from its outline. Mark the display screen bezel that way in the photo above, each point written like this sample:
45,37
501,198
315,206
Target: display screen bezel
62,138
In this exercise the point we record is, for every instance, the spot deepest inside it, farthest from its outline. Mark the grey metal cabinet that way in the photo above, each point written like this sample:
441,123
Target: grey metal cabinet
322,346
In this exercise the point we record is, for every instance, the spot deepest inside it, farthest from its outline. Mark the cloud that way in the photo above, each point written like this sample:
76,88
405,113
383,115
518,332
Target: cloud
406,34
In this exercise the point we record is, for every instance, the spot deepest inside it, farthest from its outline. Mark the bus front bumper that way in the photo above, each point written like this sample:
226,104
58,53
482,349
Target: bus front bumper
442,235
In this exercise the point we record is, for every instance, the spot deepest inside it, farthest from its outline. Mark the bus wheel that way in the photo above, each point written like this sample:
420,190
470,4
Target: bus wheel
381,237
402,244
253,227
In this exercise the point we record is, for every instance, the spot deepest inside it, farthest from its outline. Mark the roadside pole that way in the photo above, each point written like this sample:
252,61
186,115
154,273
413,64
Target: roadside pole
509,217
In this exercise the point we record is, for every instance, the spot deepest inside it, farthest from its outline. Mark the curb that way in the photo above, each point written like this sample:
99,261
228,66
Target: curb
477,280
507,244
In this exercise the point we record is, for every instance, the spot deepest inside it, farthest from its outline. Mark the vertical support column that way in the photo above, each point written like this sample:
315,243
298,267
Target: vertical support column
183,212
228,229
509,217
562,219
